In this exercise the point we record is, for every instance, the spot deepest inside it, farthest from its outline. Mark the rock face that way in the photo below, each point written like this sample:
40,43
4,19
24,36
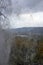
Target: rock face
4,48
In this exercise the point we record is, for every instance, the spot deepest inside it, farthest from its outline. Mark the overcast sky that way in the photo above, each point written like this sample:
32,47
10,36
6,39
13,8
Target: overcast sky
30,13
27,5
25,13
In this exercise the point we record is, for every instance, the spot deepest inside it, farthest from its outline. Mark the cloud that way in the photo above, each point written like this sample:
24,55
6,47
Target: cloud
27,20
29,13
20,6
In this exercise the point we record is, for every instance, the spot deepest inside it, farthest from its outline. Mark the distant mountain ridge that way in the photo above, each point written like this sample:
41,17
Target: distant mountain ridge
27,30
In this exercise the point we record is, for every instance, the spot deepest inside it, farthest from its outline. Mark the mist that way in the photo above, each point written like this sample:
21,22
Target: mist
16,19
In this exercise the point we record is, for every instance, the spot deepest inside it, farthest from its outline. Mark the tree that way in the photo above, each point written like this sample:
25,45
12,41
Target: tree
5,7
